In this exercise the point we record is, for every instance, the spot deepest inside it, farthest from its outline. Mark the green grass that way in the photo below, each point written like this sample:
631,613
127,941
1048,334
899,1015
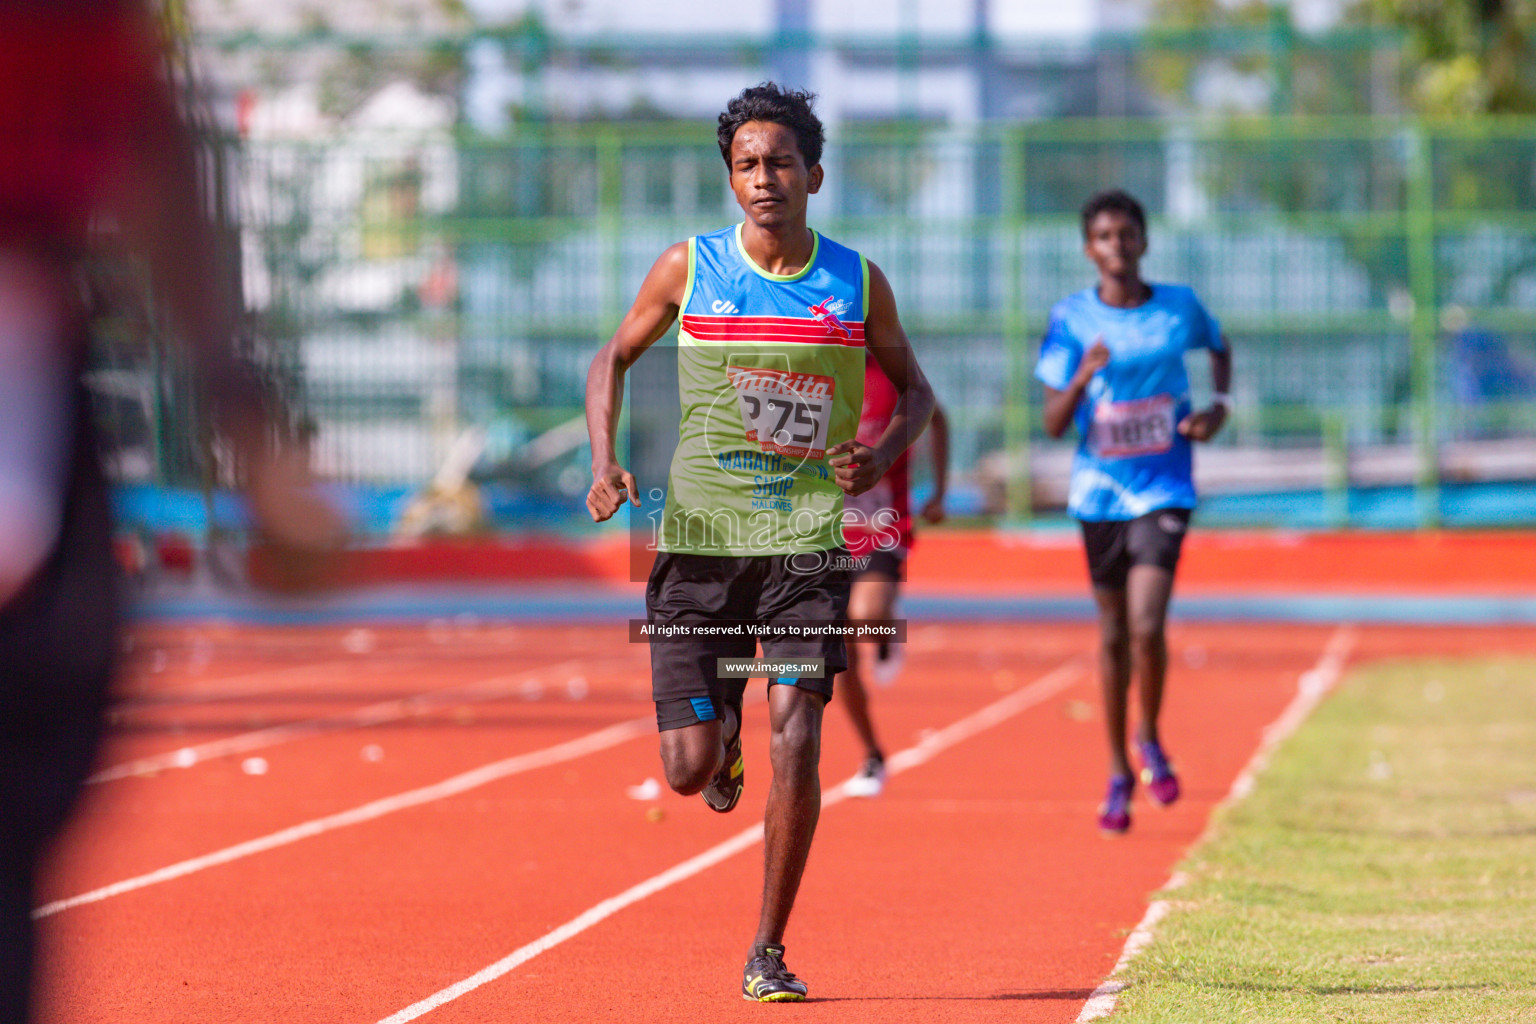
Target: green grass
1383,870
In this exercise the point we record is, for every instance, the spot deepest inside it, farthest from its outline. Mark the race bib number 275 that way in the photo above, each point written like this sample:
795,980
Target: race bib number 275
784,412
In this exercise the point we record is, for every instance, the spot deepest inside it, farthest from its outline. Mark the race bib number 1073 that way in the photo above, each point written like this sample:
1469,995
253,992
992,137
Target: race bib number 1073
784,412
1126,429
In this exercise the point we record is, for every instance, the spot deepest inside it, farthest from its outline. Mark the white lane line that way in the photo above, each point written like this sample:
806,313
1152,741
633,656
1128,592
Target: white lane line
212,689
1040,690
373,714
612,736
1311,688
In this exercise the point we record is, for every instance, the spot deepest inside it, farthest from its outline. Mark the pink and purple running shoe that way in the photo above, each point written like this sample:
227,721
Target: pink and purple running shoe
1115,812
1157,774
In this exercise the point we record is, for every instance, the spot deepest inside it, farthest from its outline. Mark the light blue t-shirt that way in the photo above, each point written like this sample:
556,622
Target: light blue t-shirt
1131,460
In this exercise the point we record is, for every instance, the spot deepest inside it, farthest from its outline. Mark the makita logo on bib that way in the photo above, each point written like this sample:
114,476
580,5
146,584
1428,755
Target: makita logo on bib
798,385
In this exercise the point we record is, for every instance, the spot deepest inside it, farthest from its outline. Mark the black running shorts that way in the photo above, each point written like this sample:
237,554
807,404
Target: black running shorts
891,563
806,589
1114,546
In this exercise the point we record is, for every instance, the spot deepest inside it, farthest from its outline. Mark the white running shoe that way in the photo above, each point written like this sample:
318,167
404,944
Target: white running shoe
868,781
888,660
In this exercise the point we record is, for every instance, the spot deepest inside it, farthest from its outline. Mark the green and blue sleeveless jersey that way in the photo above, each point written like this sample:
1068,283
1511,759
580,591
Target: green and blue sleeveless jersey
770,375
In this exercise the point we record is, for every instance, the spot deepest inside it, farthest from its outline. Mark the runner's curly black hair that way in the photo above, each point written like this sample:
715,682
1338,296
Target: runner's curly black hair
767,102
1117,200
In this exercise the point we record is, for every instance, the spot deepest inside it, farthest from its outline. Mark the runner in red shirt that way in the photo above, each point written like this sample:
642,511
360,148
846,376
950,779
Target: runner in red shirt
877,526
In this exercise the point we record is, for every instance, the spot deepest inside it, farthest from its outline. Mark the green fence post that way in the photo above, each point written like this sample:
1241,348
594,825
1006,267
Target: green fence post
1423,324
1018,498
1282,60
610,203
908,47
1336,461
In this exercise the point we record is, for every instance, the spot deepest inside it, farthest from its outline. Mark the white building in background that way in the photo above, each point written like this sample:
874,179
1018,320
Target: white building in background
382,383
390,383
343,220
682,58
859,56
295,17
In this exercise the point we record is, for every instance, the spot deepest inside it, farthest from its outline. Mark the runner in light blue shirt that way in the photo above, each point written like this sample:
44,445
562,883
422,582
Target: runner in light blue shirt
1112,362
1132,459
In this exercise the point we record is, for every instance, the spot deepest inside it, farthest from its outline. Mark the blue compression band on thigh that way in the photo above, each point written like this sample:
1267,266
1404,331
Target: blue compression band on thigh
703,707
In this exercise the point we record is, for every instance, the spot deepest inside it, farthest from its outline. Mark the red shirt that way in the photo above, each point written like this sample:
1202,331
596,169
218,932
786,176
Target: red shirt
881,516
79,94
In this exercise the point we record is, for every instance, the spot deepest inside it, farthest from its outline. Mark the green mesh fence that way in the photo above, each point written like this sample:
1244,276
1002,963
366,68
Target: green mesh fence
1377,278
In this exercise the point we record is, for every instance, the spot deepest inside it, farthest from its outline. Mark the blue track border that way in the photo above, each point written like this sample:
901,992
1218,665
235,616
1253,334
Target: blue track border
575,604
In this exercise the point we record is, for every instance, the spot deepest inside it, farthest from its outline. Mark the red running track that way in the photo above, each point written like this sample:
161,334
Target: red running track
976,889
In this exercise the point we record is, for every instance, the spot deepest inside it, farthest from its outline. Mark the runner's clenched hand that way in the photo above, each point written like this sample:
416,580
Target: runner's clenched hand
1094,360
856,467
611,486
1202,426
933,510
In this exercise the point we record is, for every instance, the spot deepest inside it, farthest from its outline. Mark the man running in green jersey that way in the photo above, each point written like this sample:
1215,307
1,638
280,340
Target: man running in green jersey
775,321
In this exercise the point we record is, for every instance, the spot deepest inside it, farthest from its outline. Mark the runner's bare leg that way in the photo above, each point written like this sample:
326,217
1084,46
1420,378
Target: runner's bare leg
691,756
1148,590
794,803
872,597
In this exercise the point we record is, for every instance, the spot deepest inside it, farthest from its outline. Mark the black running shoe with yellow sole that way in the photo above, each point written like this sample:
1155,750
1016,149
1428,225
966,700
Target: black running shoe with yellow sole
765,979
725,788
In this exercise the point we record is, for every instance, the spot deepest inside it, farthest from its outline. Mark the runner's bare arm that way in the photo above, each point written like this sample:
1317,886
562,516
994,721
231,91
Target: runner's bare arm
858,467
1060,405
1202,426
654,310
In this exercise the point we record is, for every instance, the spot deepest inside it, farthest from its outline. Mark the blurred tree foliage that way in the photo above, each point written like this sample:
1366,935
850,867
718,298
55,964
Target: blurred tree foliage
1192,40
1465,56
1458,57
1438,58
